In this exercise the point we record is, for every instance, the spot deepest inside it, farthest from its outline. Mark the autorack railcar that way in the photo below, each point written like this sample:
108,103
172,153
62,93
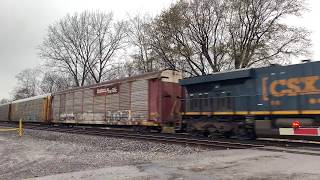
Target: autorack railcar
148,101
265,102
4,112
33,109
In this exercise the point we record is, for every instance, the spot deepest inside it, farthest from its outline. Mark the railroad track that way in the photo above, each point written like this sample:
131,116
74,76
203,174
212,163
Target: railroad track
290,147
165,138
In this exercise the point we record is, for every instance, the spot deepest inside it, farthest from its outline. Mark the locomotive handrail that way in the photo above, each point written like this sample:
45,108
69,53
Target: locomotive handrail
19,129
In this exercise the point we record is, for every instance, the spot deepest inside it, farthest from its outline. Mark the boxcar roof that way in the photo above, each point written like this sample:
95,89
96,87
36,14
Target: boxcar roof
31,98
150,75
5,104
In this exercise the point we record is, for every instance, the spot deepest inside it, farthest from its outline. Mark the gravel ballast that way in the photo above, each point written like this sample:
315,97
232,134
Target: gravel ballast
41,153
212,165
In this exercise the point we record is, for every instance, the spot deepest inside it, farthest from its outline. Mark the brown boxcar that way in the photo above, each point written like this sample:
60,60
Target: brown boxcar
34,109
4,112
149,100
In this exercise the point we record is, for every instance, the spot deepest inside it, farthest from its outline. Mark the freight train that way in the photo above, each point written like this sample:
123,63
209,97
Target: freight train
275,101
144,102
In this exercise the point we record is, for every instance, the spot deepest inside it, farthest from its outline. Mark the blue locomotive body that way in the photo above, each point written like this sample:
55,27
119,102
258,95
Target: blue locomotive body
266,101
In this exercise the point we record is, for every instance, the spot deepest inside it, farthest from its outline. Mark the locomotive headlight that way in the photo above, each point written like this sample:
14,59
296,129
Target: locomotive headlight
295,124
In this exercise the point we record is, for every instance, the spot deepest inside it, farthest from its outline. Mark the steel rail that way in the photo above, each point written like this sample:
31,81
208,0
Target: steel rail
290,147
150,137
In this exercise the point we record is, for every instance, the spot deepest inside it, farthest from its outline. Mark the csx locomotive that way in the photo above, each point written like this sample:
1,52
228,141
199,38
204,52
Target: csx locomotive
275,101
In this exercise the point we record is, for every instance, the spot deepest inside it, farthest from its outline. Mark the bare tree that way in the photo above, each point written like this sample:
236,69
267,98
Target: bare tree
139,38
206,31
195,36
162,47
257,34
109,39
129,69
28,81
204,36
4,101
54,81
82,45
195,30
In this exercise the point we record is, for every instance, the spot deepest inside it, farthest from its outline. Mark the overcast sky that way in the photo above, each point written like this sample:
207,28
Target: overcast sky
23,25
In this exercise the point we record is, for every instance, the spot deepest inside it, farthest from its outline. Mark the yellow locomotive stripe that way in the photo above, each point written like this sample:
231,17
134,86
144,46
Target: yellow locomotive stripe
191,113
242,112
284,112
259,112
311,112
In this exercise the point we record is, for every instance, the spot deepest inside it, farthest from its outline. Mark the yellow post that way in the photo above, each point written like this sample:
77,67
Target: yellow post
20,130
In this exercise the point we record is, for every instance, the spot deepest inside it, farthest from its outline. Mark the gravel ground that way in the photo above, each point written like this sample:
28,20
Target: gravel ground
213,165
41,153
44,155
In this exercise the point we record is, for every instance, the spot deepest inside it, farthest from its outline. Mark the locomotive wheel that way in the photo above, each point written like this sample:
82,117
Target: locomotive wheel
245,133
212,132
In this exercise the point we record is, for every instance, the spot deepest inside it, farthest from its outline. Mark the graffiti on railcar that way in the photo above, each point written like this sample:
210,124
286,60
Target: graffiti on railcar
112,117
125,115
67,116
118,115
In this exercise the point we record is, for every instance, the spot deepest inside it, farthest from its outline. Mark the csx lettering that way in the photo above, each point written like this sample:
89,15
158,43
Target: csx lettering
294,86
